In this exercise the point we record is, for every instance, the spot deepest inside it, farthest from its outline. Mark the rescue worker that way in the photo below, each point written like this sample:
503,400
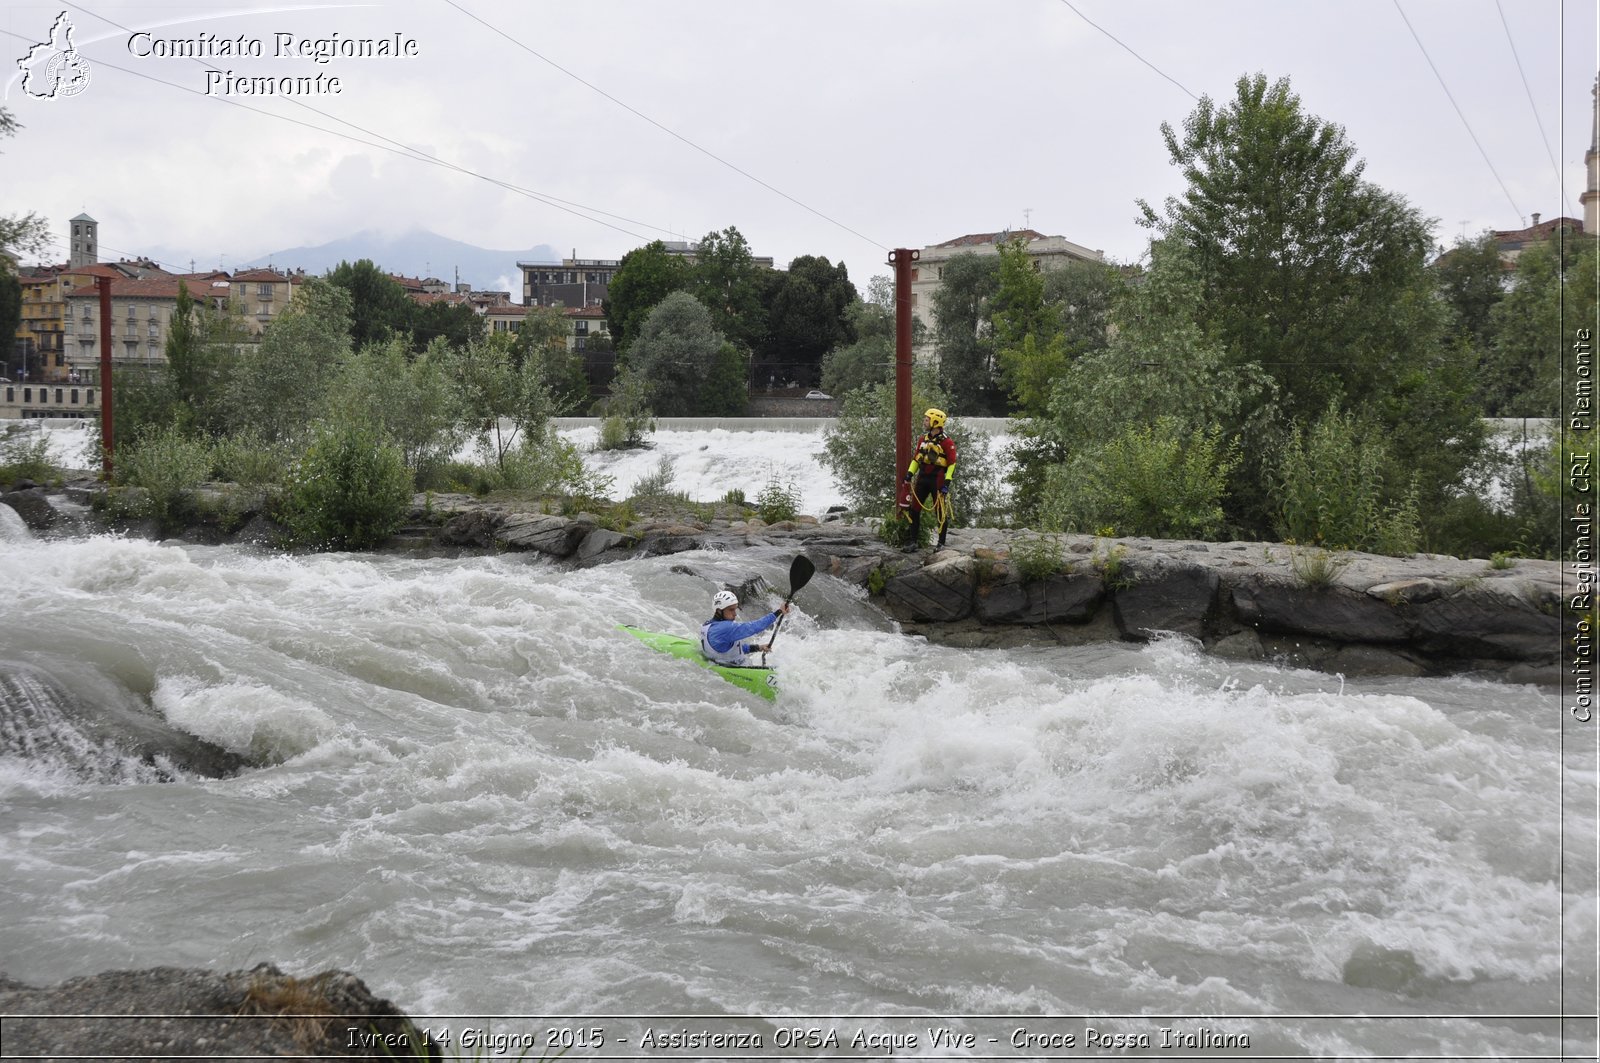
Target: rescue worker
933,461
720,637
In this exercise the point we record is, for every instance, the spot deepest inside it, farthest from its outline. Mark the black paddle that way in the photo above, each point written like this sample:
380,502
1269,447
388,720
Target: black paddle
800,572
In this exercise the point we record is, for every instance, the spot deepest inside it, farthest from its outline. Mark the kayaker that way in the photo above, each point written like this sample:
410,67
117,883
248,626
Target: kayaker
721,636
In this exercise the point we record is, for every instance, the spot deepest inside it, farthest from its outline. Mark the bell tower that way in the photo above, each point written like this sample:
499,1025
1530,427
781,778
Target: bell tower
1591,164
86,241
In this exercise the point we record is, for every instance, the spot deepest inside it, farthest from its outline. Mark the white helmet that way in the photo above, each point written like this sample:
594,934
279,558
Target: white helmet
722,599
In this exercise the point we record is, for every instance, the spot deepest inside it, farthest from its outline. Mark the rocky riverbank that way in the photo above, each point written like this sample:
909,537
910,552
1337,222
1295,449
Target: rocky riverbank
1350,613
184,1013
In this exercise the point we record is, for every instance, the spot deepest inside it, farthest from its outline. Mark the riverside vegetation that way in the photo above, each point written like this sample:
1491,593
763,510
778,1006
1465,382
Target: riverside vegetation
1176,401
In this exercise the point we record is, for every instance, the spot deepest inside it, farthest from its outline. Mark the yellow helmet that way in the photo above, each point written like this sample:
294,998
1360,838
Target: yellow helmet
935,418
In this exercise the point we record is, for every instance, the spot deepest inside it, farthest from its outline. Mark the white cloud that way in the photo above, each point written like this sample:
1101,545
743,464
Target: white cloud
907,122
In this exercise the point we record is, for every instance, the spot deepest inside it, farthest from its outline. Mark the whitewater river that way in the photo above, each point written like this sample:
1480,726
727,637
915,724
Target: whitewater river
457,779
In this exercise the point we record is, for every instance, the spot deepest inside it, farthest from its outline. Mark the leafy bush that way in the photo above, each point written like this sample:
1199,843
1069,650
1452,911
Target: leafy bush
168,465
1153,479
350,490
25,454
627,414
1037,557
1112,566
1318,569
540,464
659,483
778,502
249,459
1331,489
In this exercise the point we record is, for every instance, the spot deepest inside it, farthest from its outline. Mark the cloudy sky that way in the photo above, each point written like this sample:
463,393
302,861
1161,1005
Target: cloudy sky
830,127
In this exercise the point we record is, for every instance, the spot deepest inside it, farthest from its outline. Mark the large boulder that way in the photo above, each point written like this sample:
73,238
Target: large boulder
1168,596
940,592
33,506
1495,621
183,1013
553,535
1069,597
1332,612
474,527
600,540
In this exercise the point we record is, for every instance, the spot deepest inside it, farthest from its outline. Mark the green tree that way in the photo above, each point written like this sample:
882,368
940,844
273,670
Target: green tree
870,359
808,315
627,413
681,355
278,389
20,234
457,324
961,333
1319,278
645,276
1522,368
727,281
506,400
1159,364
1469,276
1082,295
1304,265
1029,346
410,400
543,336
202,354
10,314
1331,489
379,307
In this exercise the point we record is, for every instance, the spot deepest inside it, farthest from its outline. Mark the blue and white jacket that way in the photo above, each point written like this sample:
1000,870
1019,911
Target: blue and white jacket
719,639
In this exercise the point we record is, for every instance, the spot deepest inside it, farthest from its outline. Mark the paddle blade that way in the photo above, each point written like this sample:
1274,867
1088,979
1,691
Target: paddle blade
800,573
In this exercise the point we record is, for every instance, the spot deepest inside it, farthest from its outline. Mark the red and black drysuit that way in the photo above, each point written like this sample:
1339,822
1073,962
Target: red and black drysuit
933,461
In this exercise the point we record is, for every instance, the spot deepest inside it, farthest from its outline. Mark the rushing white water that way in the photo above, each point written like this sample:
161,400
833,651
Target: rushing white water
464,784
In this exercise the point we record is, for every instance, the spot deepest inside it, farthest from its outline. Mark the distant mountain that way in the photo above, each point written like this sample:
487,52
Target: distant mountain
417,253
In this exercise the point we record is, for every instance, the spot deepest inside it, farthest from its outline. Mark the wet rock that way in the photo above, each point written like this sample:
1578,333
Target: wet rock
1484,622
600,540
475,527
172,1012
1319,612
1168,596
553,535
941,591
1067,598
33,506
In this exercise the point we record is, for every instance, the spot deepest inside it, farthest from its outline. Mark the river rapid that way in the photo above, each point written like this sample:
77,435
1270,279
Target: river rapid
458,779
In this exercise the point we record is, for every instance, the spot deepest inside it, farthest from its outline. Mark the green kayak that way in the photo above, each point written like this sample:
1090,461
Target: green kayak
763,681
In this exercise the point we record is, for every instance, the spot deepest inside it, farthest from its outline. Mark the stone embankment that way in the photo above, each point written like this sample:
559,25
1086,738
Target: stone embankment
1351,613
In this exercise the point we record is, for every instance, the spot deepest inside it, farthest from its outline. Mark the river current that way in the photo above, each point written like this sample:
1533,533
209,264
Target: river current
457,779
